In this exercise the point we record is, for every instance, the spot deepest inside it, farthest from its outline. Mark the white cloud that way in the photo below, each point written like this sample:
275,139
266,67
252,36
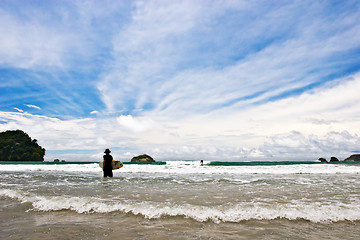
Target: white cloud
30,44
296,146
54,133
286,129
137,124
32,106
94,112
289,124
65,136
56,36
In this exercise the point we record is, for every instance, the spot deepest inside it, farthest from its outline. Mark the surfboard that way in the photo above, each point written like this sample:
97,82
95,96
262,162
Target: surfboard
114,164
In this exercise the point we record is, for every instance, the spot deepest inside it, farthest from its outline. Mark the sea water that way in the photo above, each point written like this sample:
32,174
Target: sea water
181,200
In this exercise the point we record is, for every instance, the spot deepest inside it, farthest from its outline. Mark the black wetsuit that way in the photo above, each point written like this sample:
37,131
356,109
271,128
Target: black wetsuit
107,166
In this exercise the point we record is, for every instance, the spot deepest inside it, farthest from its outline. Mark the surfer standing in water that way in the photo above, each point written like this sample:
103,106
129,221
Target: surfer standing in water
107,164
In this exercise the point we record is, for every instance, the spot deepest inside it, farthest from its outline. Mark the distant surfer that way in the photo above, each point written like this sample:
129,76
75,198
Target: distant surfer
201,162
107,164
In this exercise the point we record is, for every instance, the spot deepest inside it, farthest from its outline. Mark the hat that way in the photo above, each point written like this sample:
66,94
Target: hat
107,151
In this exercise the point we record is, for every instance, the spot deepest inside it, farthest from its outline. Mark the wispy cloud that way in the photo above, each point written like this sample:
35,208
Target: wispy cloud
180,79
32,106
18,109
282,129
31,44
153,63
54,54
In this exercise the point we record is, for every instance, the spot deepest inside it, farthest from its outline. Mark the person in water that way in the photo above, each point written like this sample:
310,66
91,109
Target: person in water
107,164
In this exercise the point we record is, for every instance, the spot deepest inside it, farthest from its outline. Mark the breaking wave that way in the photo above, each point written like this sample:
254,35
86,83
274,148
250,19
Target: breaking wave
242,211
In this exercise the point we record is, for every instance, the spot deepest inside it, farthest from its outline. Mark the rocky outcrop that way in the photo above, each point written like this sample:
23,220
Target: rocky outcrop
142,158
355,157
352,158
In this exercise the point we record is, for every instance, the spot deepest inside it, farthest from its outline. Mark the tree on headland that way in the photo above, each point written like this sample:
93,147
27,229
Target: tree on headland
16,145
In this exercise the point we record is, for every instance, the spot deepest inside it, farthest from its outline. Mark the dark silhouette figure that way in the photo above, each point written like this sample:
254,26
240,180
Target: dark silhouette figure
201,162
107,164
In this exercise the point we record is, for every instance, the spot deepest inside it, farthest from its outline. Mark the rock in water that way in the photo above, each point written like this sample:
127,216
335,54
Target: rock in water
142,158
322,160
355,157
334,159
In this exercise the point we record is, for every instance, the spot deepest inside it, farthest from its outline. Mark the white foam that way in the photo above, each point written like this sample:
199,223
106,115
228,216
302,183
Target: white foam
314,212
50,168
187,167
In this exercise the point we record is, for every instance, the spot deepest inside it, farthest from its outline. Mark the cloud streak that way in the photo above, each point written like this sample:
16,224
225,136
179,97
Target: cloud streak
32,106
149,68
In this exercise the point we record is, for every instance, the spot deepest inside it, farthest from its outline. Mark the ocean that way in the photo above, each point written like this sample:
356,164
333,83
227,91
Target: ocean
180,200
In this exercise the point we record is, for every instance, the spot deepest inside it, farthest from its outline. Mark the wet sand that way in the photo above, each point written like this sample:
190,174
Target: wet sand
17,222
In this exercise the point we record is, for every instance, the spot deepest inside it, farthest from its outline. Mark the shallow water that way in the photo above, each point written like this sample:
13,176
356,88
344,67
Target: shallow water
180,200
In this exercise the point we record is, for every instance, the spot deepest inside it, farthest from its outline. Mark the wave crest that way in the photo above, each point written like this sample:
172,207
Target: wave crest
314,212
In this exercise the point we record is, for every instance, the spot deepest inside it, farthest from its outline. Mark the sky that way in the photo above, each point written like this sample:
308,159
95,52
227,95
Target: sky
183,80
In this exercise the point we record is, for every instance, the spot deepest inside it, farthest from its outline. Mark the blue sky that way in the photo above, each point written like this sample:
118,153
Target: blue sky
217,80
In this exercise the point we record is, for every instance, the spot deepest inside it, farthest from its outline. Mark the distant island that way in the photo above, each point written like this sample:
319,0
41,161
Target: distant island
142,158
16,145
352,158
